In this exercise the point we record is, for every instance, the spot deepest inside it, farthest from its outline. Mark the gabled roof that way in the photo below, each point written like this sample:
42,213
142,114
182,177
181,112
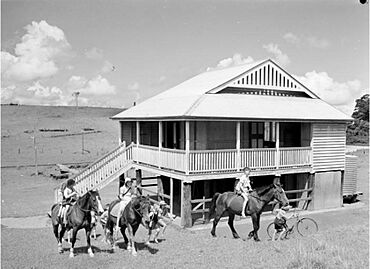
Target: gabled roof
202,97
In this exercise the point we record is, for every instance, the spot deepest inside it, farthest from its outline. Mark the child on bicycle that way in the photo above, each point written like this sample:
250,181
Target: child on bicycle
280,221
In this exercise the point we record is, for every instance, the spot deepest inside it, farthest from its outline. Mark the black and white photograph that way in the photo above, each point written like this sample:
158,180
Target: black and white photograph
184,134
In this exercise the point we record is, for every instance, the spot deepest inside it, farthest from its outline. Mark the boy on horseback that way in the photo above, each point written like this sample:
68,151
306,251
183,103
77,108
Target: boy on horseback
69,198
125,195
243,188
157,214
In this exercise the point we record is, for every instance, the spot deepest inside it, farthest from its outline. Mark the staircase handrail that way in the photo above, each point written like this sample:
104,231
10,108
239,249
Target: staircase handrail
121,146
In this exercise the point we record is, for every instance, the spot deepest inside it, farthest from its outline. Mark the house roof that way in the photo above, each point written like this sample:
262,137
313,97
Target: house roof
199,97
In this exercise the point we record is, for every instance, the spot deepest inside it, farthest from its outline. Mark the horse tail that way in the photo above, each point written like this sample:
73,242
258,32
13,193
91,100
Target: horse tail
213,204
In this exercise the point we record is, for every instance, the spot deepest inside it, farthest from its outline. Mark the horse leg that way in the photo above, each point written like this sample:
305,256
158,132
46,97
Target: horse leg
131,243
56,233
216,220
73,241
231,225
256,226
89,249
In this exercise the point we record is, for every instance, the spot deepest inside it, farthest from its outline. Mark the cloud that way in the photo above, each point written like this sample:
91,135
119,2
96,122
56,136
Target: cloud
162,78
36,94
236,59
317,42
292,38
312,41
36,55
107,67
94,54
133,86
339,94
98,86
279,56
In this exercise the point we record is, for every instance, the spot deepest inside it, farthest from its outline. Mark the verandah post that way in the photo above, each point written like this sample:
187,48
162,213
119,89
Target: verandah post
187,146
160,139
277,146
238,156
186,219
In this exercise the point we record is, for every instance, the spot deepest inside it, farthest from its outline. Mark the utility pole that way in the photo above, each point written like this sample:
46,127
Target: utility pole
35,150
75,95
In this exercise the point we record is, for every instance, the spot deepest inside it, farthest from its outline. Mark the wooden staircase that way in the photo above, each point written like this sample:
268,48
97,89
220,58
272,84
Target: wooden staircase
102,172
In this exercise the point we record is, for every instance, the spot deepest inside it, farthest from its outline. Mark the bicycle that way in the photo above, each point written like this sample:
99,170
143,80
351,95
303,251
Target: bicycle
305,226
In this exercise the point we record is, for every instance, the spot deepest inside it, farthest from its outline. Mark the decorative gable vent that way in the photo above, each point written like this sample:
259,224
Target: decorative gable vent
267,76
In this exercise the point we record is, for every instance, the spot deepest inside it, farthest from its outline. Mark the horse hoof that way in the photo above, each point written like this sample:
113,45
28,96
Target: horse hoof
134,254
257,240
71,255
91,254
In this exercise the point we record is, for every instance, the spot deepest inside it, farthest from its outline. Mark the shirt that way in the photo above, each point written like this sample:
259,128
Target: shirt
67,193
244,184
281,214
125,192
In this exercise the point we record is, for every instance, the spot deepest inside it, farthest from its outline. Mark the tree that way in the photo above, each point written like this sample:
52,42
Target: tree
358,130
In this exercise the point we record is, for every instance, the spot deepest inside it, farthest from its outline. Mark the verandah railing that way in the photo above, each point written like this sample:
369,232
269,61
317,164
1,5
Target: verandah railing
224,160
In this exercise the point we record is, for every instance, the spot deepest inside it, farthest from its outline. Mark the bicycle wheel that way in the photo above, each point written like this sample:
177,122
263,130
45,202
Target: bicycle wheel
307,226
270,229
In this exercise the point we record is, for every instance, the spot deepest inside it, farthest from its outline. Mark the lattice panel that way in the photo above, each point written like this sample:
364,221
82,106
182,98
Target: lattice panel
267,75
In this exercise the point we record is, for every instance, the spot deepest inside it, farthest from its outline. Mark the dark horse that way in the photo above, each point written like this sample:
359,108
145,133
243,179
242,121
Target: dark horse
136,212
231,202
79,216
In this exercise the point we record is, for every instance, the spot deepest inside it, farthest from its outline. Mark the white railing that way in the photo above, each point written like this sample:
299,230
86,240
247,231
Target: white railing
223,160
294,157
212,160
264,158
101,171
172,159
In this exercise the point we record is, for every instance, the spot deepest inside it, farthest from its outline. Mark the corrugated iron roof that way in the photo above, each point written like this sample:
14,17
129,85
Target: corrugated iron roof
190,100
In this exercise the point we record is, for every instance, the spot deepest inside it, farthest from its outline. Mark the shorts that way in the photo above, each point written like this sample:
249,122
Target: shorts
280,224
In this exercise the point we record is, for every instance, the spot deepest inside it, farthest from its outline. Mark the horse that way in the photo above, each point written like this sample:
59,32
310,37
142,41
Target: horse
135,213
258,199
79,217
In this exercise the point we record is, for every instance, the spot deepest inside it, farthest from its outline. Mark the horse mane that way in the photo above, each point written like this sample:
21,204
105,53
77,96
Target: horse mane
262,190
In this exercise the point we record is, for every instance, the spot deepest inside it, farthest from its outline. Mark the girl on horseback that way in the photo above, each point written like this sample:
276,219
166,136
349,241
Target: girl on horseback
243,187
125,195
69,198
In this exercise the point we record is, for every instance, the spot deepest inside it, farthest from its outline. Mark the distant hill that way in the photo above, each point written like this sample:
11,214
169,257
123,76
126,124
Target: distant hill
59,131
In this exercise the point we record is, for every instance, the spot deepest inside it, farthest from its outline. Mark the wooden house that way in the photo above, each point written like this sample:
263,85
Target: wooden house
197,136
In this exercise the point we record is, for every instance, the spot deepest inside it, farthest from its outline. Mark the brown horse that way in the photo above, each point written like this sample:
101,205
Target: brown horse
231,202
79,217
135,213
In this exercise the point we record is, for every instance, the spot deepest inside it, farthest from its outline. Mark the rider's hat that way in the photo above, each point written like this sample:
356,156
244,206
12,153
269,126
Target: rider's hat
162,203
70,182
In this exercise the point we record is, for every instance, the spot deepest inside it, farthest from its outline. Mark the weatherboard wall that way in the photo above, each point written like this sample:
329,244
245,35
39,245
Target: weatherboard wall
328,146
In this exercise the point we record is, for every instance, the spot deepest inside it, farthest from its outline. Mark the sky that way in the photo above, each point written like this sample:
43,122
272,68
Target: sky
115,53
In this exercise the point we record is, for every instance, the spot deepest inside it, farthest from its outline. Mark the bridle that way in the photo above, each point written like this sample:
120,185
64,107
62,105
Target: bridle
82,209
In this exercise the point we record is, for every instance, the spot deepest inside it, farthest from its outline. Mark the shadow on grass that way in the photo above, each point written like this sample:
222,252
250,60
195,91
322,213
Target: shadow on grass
139,246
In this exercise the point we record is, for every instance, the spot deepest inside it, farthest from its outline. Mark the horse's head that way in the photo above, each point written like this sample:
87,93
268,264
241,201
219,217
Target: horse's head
95,201
279,194
142,206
